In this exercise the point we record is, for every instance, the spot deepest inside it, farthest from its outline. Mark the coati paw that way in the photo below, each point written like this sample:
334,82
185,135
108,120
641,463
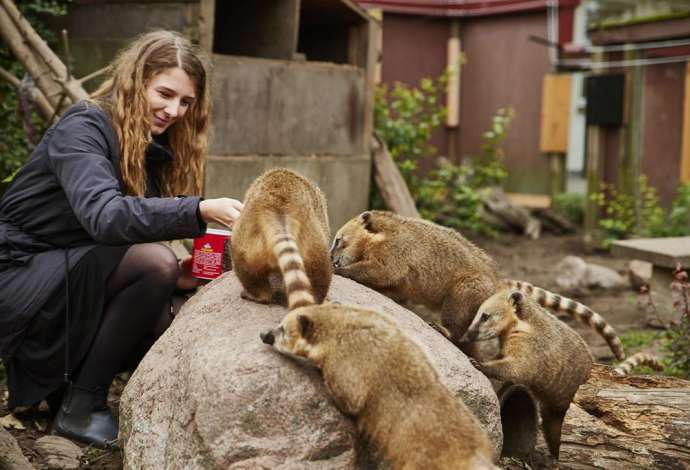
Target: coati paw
475,363
247,296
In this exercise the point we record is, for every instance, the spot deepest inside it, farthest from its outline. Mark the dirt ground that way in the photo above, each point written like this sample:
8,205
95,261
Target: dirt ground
518,257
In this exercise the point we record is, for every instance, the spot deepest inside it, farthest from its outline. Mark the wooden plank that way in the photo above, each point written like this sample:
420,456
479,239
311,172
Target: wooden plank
664,252
394,191
453,65
685,153
529,200
555,113
207,13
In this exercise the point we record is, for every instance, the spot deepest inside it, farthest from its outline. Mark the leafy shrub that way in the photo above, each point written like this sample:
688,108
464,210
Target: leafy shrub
675,340
626,216
571,206
405,117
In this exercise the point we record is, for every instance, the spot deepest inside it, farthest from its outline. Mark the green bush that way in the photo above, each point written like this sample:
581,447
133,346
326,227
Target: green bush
571,206
627,216
22,128
405,118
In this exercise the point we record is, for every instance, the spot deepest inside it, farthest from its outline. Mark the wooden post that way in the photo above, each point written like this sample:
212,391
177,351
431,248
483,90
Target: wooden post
632,131
594,158
453,89
555,123
685,153
207,21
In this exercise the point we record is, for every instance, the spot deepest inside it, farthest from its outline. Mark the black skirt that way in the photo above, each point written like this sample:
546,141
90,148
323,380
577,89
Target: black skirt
37,368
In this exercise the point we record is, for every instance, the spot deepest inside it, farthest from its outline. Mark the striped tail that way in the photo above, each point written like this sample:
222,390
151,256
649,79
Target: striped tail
578,311
291,264
638,359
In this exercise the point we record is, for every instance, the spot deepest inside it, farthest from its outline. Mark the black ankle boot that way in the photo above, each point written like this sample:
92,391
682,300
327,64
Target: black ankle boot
85,417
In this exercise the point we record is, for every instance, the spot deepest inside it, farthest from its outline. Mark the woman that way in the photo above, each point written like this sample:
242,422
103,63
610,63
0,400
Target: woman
84,290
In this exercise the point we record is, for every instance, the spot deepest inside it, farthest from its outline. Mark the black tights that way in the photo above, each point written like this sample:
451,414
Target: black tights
138,300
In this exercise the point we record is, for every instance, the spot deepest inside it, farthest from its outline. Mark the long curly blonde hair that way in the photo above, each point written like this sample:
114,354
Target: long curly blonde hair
123,96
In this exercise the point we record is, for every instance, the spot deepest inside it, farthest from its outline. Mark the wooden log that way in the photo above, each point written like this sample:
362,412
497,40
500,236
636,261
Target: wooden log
47,111
49,73
390,182
634,422
497,203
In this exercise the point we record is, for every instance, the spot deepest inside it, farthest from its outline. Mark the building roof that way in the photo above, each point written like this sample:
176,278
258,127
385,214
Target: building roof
461,7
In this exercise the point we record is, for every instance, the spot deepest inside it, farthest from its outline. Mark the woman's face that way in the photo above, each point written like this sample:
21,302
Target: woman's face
170,94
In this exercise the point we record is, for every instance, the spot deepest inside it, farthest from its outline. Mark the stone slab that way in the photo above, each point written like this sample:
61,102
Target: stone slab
275,107
343,180
663,252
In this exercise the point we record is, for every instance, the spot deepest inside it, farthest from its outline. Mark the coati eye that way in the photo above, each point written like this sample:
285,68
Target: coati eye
484,317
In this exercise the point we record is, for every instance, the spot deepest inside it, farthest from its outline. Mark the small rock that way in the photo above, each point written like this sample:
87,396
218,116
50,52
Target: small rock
639,273
11,457
572,273
603,277
58,452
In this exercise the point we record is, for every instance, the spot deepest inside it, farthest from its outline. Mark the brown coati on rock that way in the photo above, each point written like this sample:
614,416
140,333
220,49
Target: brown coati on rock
416,261
378,375
280,241
538,351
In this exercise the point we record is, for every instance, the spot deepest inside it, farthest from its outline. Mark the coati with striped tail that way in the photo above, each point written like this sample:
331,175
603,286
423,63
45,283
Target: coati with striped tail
378,375
638,359
578,311
538,351
416,261
283,234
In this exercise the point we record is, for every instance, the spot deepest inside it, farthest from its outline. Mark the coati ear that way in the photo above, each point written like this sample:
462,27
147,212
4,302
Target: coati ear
368,222
516,299
306,326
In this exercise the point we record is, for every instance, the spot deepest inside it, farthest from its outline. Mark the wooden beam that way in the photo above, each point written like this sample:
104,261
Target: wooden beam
207,21
394,191
685,152
555,113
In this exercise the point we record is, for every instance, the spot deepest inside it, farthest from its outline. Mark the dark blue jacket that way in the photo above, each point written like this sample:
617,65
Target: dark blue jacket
69,196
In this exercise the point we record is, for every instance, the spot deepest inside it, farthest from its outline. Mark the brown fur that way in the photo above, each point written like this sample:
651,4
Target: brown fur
282,234
416,261
378,375
538,351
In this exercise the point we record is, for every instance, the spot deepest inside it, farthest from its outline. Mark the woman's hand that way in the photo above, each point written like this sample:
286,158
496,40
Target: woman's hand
223,210
186,281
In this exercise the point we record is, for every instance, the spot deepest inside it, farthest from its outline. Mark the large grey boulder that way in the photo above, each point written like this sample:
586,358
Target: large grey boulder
211,395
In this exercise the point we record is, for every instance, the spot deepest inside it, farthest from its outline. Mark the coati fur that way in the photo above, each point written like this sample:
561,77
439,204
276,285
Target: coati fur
416,261
576,310
638,359
538,351
378,375
282,234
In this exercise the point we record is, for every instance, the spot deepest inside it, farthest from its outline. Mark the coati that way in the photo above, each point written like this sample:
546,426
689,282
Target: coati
578,311
417,261
638,359
538,351
378,375
413,260
283,233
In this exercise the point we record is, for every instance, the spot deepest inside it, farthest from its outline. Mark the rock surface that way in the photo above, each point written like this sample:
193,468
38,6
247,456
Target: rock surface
11,457
58,452
210,394
574,272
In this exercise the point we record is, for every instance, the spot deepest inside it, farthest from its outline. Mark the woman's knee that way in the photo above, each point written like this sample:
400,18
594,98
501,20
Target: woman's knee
157,263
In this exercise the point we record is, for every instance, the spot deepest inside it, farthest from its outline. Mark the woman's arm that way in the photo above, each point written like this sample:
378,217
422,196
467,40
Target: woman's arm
78,154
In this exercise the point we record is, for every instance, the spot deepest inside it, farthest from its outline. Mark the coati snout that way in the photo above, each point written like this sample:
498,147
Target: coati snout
267,337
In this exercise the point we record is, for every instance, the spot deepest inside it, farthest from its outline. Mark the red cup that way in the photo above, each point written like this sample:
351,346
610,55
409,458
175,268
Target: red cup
211,254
